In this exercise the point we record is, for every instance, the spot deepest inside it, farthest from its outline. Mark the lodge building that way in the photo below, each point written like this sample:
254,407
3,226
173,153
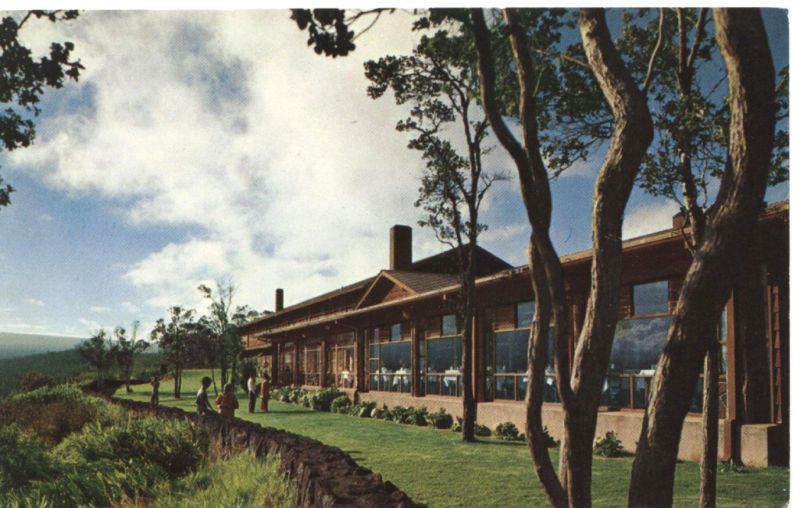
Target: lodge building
394,338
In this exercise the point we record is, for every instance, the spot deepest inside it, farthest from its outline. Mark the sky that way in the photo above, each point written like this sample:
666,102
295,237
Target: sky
216,146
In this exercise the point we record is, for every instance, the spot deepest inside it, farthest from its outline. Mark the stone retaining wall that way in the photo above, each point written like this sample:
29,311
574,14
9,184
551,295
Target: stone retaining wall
323,476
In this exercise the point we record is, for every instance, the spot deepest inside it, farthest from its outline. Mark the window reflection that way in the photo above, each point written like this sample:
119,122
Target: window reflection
652,298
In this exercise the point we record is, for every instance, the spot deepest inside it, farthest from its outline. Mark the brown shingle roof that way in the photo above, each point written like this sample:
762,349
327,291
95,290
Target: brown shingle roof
420,282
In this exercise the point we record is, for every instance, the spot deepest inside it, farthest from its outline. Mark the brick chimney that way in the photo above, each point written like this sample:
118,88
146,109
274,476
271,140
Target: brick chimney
278,300
400,248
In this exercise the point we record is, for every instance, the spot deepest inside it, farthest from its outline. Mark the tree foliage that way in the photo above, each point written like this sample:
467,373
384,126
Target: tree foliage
23,78
175,337
124,351
96,351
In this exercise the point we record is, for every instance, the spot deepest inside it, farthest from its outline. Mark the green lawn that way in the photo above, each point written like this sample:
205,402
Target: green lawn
435,468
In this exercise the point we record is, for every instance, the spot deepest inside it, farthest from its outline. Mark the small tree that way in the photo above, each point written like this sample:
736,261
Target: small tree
124,351
175,340
97,353
440,83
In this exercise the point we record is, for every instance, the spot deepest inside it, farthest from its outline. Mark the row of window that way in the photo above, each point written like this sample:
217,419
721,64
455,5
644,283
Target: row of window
637,345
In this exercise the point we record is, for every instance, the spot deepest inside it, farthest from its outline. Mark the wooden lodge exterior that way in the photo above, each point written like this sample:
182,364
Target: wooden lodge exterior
393,338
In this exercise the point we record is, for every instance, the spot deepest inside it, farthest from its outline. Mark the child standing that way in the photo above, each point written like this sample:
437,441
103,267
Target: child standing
227,402
251,392
201,401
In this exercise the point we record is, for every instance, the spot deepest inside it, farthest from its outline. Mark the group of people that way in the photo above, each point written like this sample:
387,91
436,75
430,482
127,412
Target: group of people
227,403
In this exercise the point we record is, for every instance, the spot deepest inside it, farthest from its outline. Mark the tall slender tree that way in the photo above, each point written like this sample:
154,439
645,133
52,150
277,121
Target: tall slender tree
175,341
123,351
440,83
729,229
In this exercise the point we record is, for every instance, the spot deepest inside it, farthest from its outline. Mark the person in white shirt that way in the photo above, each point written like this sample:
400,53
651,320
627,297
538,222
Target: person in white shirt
252,390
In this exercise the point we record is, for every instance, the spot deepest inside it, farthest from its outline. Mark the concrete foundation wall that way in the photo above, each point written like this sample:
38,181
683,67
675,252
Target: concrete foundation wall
760,444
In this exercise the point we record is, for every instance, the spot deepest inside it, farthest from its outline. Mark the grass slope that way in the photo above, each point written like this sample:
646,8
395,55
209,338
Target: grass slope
435,468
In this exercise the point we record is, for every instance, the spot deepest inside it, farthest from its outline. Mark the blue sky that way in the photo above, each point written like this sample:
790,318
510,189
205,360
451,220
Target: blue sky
205,146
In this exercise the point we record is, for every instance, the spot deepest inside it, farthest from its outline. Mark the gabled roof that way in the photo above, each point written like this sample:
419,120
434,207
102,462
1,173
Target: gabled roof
411,283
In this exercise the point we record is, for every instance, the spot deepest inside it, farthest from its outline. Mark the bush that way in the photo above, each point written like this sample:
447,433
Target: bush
482,430
456,426
507,431
23,459
549,440
440,419
32,380
173,447
608,446
322,399
341,404
52,413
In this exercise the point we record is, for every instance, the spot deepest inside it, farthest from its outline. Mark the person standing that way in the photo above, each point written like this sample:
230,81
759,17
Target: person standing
227,403
201,401
155,383
252,392
265,393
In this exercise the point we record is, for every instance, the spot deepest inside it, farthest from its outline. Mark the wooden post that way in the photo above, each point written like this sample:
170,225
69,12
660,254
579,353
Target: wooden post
296,370
323,380
416,332
273,368
479,356
359,351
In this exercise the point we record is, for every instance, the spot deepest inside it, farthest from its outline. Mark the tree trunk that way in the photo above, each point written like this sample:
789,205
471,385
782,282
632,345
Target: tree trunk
470,410
708,461
729,232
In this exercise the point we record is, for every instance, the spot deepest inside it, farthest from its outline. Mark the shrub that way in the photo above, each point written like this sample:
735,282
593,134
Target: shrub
482,430
52,413
440,419
32,380
549,440
456,426
321,400
420,416
173,447
507,431
380,413
341,404
23,459
608,446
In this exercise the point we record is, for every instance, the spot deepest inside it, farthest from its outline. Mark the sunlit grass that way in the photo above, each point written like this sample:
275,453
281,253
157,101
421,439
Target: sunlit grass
435,468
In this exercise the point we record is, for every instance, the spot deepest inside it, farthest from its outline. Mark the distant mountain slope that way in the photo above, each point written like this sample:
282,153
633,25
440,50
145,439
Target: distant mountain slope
24,344
63,365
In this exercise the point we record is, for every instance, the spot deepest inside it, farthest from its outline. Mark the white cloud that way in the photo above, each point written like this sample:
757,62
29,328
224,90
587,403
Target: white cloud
129,306
90,325
45,217
644,219
99,309
228,122
34,301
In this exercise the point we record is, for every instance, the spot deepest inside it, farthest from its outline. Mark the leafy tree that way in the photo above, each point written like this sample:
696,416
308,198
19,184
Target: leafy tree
23,79
440,83
124,351
96,351
602,101
221,333
729,229
175,339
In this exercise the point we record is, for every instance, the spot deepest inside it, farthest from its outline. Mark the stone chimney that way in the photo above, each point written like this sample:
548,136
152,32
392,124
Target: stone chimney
278,300
400,248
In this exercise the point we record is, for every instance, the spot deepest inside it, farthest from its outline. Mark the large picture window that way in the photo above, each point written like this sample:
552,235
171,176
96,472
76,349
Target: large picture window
286,364
390,361
341,361
311,363
442,360
511,366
